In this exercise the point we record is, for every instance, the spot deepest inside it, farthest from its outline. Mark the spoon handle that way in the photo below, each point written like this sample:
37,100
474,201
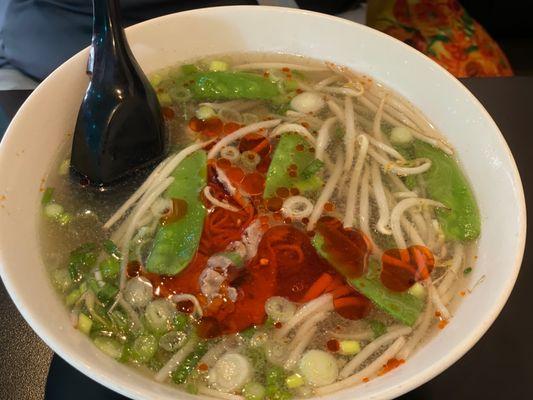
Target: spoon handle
108,40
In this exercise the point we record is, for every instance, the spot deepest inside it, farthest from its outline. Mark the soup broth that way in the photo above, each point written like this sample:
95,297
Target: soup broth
306,232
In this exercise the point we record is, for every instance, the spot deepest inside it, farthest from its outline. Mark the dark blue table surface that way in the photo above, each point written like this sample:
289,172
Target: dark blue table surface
500,366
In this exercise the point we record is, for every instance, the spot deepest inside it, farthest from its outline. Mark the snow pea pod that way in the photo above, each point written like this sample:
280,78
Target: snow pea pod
293,166
445,182
177,238
402,306
223,85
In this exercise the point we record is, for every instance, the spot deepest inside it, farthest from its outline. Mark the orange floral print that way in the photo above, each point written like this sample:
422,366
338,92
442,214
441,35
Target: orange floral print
443,30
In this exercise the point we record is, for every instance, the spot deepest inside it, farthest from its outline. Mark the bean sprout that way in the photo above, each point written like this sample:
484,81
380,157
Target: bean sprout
322,140
239,133
351,196
296,128
371,348
384,215
398,211
177,298
217,203
328,190
349,137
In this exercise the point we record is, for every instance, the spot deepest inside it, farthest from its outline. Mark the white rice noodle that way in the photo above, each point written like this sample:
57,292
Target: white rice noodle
451,273
139,211
322,140
239,133
326,82
399,209
393,167
177,298
320,304
336,109
327,192
382,224
349,137
278,65
421,328
384,147
295,128
217,203
351,196
136,195
366,372
346,91
175,361
217,394
436,300
302,338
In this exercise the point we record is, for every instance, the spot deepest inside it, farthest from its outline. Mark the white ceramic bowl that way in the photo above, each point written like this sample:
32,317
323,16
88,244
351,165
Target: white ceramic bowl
47,118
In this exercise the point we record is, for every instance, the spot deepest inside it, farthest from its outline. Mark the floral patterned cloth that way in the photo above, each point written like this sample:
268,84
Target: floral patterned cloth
443,30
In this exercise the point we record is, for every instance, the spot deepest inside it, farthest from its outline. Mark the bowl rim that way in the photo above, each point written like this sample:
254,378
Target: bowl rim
412,381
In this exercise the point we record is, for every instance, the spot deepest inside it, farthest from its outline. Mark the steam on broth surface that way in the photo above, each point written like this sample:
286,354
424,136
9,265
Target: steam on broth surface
306,232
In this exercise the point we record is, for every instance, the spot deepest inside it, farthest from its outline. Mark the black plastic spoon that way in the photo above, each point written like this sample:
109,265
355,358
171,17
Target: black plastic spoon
119,127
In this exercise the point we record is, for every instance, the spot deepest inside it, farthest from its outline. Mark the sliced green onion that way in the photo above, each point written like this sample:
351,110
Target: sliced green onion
217,65
279,309
64,218
467,271
109,346
85,323
253,391
47,196
205,112
180,322
164,99
64,167
188,69
250,159
61,279
417,290
53,210
172,341
294,381
159,315
143,348
401,136
138,292
349,347
109,268
155,79
107,293
318,368
74,296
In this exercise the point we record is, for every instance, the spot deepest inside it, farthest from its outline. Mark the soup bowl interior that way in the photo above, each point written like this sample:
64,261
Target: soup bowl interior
45,123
